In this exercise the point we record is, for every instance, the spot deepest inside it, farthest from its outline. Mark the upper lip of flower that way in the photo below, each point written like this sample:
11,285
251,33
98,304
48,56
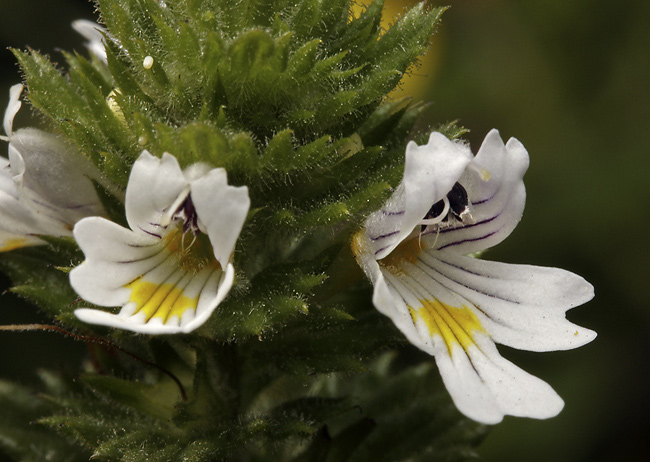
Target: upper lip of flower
44,185
173,267
94,33
453,306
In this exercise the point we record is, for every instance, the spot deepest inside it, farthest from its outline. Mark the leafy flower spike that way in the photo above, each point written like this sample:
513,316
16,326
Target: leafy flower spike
44,184
454,307
173,267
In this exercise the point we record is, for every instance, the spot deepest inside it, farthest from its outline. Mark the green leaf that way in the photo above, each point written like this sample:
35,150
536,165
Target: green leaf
151,400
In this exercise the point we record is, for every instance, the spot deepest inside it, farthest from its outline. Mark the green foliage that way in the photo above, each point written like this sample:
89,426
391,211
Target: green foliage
404,418
19,430
40,275
290,98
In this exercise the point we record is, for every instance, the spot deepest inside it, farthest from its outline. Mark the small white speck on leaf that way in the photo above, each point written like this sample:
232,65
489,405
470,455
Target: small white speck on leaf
147,63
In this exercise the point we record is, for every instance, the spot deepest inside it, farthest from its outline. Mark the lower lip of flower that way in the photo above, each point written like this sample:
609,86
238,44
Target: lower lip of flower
455,325
408,250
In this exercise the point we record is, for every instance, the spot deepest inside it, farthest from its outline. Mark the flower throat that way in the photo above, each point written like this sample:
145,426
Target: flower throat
455,203
186,241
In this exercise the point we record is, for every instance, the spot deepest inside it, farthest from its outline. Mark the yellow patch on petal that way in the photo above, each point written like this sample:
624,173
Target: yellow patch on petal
160,300
359,244
15,243
456,326
407,251
193,252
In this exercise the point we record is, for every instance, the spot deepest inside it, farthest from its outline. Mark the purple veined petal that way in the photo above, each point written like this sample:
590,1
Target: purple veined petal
18,225
6,181
179,304
214,292
483,385
154,186
521,306
102,277
163,273
455,307
45,185
157,293
430,171
497,204
52,178
11,241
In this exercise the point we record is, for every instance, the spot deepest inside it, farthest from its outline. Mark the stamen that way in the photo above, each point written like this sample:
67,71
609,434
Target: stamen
458,200
439,218
173,209
455,205
185,248
194,236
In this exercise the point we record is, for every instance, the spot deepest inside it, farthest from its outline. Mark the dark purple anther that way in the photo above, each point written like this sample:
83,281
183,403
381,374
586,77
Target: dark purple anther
187,213
458,205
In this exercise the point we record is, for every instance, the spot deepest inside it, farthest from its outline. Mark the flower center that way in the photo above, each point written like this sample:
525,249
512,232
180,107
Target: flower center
187,214
184,239
455,203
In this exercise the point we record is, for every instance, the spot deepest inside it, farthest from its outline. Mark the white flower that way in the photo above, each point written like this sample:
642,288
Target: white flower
454,307
173,267
44,185
94,33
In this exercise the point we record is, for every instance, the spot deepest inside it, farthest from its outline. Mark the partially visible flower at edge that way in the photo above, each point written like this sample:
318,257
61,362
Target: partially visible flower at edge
173,267
417,251
94,33
45,185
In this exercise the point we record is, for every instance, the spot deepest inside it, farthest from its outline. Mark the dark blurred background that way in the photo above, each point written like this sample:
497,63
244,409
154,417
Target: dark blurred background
571,81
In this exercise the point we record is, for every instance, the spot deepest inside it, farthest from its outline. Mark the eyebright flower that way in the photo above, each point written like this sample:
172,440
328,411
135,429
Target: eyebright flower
94,33
45,185
417,251
173,267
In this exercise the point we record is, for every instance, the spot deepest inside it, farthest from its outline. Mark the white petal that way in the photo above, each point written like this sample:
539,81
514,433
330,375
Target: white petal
6,180
11,241
214,293
497,204
165,277
18,222
222,210
385,296
154,186
430,172
206,289
143,274
520,306
115,256
12,108
453,307
485,386
92,32
52,178
17,225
